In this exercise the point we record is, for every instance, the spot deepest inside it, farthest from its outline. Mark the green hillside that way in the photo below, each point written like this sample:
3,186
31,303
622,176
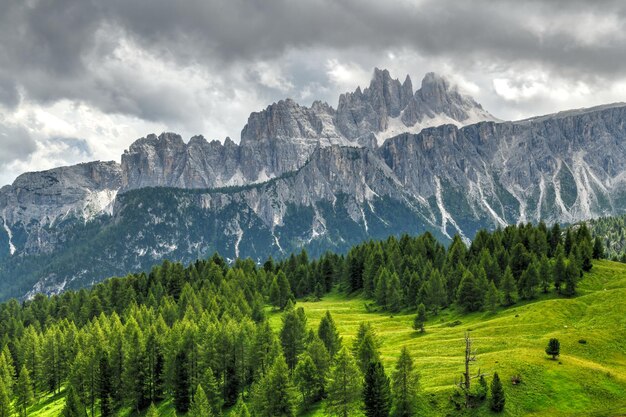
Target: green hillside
588,379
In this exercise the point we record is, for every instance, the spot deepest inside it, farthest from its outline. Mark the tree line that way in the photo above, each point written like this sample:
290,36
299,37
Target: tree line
199,336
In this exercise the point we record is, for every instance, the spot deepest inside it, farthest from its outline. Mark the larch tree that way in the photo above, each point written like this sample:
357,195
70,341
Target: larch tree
376,391
327,332
344,387
404,386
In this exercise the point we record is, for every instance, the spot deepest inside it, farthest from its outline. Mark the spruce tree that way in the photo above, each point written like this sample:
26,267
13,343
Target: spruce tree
572,275
292,335
376,391
365,347
497,394
559,269
344,387
276,396
598,248
212,392
182,388
394,294
308,380
404,386
469,294
554,348
546,275
492,298
73,406
23,392
420,318
507,286
200,405
528,282
241,409
6,408
152,411
327,332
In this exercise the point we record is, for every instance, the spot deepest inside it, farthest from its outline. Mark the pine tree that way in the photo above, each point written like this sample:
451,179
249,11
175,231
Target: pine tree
308,380
182,388
344,388
320,357
420,318
241,409
528,282
598,248
212,392
469,295
376,391
6,408
559,269
73,406
23,392
492,298
507,286
275,298
435,292
497,394
381,287
200,405
545,274
572,275
554,348
394,294
275,396
404,386
152,411
292,335
365,347
327,332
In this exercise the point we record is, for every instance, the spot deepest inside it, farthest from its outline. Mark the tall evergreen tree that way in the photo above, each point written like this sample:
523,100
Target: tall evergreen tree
559,269
276,395
492,298
200,404
404,386
598,249
497,400
241,409
308,380
182,383
469,295
327,332
344,387
212,392
508,288
546,275
572,275
365,347
292,335
6,407
528,281
23,392
73,406
420,318
376,391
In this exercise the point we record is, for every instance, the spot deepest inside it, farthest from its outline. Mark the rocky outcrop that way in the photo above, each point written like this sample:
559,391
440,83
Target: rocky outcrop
281,137
36,202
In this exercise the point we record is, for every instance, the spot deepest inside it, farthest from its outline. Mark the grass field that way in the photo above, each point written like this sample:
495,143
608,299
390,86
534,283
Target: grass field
587,380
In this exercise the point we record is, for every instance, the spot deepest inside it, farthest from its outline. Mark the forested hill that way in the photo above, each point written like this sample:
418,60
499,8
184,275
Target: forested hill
199,338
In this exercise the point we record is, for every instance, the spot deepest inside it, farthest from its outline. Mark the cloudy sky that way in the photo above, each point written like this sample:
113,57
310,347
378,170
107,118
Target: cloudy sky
81,79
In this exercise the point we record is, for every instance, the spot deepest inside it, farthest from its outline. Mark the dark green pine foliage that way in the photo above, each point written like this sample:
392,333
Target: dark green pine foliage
598,248
508,288
376,391
420,318
327,332
497,400
572,275
73,406
276,396
559,269
529,281
546,275
365,347
470,296
182,383
292,335
404,386
554,348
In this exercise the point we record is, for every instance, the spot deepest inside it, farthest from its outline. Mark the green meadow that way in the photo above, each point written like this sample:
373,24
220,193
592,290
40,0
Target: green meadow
588,379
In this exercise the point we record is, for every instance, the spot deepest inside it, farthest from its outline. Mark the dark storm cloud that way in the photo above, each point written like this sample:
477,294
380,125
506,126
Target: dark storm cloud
51,49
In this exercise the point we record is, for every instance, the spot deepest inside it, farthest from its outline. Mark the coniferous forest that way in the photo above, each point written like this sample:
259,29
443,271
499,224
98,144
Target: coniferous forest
199,335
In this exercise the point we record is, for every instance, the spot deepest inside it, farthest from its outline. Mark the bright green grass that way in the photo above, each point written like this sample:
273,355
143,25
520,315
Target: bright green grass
588,380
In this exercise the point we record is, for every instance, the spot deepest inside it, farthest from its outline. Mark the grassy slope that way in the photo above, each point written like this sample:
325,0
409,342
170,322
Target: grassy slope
589,379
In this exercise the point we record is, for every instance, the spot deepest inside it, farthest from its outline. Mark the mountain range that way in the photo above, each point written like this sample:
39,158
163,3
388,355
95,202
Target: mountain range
387,160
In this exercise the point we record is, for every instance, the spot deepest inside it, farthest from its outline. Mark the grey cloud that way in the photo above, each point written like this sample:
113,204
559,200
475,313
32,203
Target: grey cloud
16,143
48,47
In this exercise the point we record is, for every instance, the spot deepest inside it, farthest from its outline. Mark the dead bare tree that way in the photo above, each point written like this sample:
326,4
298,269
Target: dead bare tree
466,379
